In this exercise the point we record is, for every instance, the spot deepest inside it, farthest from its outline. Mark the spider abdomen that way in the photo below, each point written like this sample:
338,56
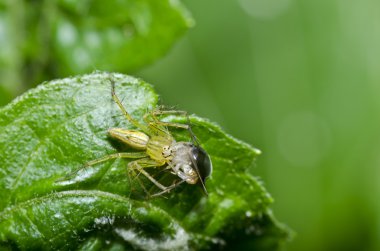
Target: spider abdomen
136,139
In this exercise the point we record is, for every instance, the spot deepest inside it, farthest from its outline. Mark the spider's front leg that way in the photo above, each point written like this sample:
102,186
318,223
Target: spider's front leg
140,164
153,121
142,127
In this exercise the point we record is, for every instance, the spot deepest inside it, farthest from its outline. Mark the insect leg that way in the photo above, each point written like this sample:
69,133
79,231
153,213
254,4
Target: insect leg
167,190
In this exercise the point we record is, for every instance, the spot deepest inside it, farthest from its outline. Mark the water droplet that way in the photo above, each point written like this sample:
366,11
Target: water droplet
248,214
265,9
58,215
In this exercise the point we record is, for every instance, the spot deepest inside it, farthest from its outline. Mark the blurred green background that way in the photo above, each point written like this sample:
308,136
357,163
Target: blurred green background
300,80
297,79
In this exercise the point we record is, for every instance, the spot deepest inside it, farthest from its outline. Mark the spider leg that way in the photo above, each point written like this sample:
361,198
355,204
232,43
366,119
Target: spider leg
159,127
154,115
133,155
135,177
124,111
139,166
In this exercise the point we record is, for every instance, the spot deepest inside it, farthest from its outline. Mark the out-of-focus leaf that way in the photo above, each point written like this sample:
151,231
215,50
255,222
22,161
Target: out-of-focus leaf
5,96
57,127
46,39
115,35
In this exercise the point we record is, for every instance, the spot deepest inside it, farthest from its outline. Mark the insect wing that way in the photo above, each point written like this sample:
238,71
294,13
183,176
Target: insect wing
202,165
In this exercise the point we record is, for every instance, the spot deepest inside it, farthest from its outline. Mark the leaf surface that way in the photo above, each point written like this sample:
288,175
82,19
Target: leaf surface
54,129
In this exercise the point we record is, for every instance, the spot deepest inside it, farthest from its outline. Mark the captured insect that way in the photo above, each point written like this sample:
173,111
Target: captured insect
187,160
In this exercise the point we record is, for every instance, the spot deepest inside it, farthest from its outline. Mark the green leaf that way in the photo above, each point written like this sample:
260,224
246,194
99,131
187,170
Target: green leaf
115,35
84,217
45,39
54,129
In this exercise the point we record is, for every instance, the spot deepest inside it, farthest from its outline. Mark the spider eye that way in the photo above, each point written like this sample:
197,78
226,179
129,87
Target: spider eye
203,162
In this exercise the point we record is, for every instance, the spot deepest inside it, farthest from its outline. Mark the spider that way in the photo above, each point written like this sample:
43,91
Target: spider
187,160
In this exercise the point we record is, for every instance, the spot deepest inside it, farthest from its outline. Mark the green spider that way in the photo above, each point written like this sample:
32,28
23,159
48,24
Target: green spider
187,160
